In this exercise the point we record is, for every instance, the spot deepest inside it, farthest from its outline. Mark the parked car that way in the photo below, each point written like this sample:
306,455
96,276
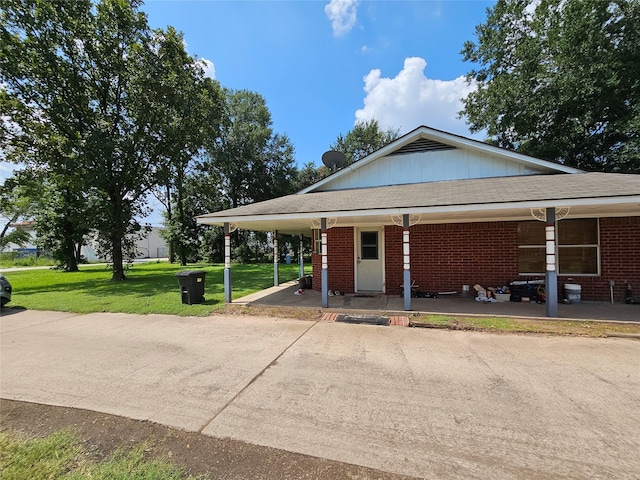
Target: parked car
5,291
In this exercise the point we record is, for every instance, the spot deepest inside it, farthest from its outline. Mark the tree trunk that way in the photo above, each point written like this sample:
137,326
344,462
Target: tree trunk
181,219
72,264
118,270
69,233
70,249
116,238
172,255
79,252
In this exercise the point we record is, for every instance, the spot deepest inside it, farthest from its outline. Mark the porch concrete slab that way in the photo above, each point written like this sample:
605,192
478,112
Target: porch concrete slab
445,304
283,289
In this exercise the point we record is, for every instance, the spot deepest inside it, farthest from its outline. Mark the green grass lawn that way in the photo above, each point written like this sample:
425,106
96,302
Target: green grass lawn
11,259
536,326
62,456
149,288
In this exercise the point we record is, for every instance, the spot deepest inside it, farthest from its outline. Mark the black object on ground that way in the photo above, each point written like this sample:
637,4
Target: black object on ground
630,299
191,286
363,319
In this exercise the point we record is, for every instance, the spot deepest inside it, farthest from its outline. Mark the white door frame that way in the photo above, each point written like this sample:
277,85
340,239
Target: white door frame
381,250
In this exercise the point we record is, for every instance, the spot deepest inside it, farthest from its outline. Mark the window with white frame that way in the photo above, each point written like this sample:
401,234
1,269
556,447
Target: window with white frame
317,241
578,249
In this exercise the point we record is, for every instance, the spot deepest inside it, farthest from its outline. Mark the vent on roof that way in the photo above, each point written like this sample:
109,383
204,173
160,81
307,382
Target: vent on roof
423,145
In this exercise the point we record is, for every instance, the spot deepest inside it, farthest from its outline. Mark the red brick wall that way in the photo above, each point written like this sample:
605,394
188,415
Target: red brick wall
444,257
340,249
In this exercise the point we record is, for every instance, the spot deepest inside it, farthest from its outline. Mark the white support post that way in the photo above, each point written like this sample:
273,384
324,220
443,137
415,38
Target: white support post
551,275
406,263
227,263
301,257
276,260
325,265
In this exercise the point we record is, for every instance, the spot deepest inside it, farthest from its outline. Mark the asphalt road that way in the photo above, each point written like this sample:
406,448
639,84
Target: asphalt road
426,403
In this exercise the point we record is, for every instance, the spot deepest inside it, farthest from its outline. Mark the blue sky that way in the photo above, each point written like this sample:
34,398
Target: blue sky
322,65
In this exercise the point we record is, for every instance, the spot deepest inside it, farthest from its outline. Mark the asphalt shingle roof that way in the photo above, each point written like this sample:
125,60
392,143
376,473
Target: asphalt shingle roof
505,190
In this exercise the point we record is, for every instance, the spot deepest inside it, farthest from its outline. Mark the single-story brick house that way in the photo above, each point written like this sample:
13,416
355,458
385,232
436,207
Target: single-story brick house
445,211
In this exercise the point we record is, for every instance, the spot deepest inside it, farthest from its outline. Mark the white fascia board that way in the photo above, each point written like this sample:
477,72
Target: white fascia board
487,207
477,145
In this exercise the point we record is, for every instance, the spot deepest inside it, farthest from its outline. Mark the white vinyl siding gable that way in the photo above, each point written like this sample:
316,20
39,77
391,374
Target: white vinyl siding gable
434,166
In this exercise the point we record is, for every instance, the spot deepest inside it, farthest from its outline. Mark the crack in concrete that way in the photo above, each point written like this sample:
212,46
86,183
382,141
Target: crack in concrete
256,377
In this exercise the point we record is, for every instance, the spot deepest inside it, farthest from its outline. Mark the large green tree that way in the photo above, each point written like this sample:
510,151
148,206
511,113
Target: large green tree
120,147
560,79
249,161
310,174
43,105
201,197
15,204
85,89
62,225
188,122
363,139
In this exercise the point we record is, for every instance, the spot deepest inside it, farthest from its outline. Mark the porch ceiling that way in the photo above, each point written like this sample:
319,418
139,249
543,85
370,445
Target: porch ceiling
459,201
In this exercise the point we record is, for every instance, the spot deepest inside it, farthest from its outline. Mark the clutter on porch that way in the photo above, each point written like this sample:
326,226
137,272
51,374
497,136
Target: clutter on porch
417,293
572,293
485,295
630,299
528,291
524,291
304,283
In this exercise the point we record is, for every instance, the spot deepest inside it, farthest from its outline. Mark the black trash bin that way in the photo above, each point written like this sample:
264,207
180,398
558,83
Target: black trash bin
191,286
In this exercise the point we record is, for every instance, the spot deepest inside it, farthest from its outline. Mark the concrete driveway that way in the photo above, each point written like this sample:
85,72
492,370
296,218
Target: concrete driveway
427,403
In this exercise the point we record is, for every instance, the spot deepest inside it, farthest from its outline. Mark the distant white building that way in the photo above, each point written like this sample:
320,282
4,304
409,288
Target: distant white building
152,245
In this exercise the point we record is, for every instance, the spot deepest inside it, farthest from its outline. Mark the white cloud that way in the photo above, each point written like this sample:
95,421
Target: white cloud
411,99
209,68
342,14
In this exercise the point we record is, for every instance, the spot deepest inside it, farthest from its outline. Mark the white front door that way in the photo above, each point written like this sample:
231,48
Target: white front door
369,257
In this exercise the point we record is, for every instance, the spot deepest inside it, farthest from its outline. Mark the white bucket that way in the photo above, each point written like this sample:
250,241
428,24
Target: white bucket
572,292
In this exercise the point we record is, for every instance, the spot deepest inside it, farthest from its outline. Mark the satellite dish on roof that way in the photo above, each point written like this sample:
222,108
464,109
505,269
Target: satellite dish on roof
333,159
